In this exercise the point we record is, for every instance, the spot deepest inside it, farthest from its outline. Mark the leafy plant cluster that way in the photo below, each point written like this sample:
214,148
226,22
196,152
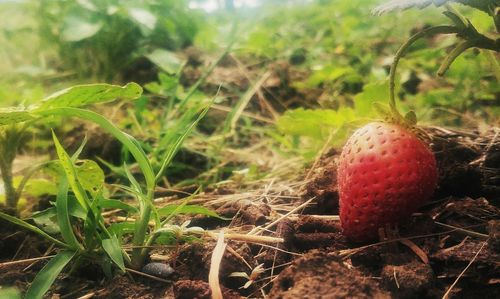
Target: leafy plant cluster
75,222
350,56
102,39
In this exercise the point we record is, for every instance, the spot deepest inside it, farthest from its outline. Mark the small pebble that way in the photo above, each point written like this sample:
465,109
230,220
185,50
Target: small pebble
158,269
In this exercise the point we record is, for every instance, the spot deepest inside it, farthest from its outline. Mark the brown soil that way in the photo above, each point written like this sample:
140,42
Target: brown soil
458,227
320,275
198,289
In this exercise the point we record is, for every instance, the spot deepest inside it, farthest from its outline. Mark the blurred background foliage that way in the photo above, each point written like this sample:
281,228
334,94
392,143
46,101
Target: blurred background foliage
298,74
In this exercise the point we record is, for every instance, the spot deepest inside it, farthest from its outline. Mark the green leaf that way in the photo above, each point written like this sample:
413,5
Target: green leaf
82,95
143,17
329,73
63,215
114,251
316,123
32,228
371,92
71,174
46,277
117,204
142,160
411,118
121,228
9,293
128,141
38,187
188,209
135,184
90,225
175,140
382,109
165,60
77,29
79,150
10,116
458,20
90,175
75,209
47,220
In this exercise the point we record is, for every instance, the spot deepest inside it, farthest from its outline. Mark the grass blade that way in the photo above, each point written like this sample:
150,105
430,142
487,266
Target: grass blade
71,175
63,214
114,251
171,210
170,154
117,204
128,141
32,228
46,277
82,95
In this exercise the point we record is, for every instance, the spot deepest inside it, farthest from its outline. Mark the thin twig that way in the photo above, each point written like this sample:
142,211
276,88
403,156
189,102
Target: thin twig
249,238
87,296
213,274
348,252
462,230
317,217
282,217
26,261
445,296
417,250
146,275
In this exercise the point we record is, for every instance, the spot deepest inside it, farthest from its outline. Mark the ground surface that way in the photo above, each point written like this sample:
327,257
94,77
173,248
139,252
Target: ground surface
458,229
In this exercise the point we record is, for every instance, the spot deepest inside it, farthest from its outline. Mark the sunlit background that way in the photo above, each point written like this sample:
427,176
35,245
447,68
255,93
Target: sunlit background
333,48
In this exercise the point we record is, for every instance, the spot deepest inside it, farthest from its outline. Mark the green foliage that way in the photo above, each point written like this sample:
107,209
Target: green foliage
172,210
343,47
48,274
103,38
113,249
80,196
82,95
338,54
15,121
10,116
173,234
320,125
167,61
9,293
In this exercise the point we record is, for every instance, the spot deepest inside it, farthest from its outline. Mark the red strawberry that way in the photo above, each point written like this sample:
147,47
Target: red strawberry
385,174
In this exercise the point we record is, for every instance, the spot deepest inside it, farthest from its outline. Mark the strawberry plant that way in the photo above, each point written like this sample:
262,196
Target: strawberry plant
386,169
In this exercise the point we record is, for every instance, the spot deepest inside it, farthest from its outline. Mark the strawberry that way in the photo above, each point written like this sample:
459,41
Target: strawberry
385,174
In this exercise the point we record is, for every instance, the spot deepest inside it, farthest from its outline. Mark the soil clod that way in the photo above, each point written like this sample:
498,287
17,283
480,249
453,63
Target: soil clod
320,275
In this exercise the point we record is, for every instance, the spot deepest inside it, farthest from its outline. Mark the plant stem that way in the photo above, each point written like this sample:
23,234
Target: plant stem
141,227
11,197
459,49
210,69
445,29
8,150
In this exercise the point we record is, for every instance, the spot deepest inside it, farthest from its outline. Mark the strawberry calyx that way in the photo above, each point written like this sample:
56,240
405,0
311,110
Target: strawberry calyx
390,114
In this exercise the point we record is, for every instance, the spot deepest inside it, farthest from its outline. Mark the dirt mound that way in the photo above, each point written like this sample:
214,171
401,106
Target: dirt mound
320,275
198,289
